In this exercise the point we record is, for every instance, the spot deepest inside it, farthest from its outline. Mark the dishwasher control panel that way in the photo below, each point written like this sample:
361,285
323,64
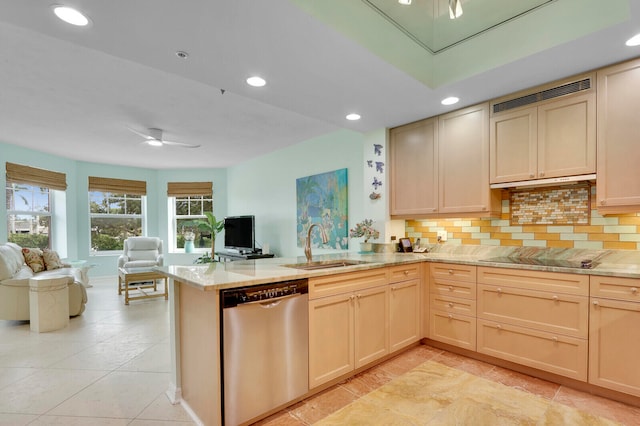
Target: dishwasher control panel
237,296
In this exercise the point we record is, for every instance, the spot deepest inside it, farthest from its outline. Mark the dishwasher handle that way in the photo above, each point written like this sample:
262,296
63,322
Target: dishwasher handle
273,301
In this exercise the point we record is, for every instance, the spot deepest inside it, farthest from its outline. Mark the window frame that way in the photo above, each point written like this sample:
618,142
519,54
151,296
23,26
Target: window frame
142,216
50,212
174,217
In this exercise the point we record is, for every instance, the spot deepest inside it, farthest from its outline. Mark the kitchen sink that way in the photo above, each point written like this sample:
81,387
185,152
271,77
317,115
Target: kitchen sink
324,264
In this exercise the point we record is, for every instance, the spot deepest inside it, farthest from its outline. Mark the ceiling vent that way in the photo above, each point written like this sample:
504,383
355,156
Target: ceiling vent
554,92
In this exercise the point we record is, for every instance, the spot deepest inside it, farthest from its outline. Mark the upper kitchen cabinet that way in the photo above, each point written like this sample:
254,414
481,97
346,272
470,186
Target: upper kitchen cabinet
463,163
618,179
413,155
547,132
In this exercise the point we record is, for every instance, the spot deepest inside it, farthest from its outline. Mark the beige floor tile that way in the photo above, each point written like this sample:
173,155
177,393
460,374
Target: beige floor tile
78,421
120,394
463,363
7,419
9,375
158,423
29,353
367,381
155,359
103,356
44,390
559,414
162,409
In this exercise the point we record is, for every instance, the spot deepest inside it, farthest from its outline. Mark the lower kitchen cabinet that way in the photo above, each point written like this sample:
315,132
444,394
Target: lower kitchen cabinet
404,314
346,331
452,317
614,336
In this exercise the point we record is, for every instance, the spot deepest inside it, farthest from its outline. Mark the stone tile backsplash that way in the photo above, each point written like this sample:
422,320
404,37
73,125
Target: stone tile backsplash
610,232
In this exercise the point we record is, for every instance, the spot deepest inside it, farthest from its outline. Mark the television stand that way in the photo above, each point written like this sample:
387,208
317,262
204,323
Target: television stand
230,256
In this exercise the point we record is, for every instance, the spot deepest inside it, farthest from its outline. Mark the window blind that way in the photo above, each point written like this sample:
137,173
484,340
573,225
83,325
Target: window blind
118,186
17,173
187,189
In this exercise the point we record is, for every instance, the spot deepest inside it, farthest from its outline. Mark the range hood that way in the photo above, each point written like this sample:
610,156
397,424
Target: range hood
545,182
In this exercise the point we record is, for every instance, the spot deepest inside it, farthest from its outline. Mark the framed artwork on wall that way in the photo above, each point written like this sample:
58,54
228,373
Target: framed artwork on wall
322,199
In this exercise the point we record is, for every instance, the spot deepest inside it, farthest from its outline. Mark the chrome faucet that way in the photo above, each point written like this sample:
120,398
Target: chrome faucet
307,244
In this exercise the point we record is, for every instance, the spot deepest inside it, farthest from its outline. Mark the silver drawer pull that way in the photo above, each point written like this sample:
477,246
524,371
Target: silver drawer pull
450,271
450,288
406,272
634,290
450,316
596,303
555,339
499,327
499,290
555,298
450,305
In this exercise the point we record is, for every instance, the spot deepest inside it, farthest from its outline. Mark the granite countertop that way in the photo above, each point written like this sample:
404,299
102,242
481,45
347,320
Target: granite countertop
221,275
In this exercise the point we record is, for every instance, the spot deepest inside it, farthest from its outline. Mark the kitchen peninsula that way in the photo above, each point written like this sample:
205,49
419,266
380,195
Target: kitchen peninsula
433,289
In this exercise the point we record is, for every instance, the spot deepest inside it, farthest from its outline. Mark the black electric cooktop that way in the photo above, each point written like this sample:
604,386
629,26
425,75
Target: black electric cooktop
562,263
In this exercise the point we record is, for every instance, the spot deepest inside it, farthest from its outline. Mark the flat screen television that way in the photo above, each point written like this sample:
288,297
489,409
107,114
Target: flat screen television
239,233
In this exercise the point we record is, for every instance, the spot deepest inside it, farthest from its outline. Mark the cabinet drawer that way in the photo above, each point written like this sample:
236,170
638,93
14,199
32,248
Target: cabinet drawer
453,305
404,272
556,313
466,290
452,271
615,288
556,282
563,355
343,283
456,330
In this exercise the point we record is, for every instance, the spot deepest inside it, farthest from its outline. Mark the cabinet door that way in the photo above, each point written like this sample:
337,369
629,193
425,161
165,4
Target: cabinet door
618,180
513,145
371,325
567,137
413,168
463,166
614,345
331,339
404,314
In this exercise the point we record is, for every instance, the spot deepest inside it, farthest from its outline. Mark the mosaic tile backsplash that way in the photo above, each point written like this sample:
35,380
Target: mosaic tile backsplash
564,205
610,232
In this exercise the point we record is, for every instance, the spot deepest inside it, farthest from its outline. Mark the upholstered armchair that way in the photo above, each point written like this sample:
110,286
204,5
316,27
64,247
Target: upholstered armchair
140,252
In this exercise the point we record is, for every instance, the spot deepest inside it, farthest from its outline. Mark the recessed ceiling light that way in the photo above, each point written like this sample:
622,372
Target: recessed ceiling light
404,2
256,81
182,54
70,15
154,142
450,100
353,116
634,41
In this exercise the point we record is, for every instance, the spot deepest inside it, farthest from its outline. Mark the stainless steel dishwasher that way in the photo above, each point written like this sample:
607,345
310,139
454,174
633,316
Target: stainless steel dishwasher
265,348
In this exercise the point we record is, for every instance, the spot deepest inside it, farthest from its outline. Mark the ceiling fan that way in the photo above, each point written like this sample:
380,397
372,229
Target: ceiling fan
153,137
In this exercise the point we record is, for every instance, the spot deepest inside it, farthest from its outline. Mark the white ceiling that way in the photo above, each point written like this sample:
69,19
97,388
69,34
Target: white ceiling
74,91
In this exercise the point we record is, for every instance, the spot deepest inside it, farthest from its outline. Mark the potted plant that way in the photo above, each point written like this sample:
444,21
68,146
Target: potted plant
213,226
365,229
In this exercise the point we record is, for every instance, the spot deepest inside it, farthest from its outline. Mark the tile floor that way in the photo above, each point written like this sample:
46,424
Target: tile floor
111,367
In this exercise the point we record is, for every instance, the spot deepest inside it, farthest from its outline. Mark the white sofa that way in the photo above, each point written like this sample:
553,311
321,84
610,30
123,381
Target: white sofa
14,284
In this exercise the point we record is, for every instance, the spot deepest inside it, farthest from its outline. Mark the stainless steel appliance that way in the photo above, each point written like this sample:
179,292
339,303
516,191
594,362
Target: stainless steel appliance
265,348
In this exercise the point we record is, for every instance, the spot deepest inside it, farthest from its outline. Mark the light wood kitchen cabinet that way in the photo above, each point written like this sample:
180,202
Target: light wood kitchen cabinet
618,176
452,316
554,138
614,337
348,323
414,168
534,318
463,164
404,305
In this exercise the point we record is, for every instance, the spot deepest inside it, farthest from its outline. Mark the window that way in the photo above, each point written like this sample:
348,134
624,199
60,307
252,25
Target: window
28,215
116,209
30,205
188,202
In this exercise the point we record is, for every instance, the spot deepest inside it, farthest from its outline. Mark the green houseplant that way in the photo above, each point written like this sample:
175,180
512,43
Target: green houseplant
213,226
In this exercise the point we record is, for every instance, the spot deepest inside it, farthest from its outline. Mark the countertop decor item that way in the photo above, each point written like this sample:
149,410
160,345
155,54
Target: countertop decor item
365,229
